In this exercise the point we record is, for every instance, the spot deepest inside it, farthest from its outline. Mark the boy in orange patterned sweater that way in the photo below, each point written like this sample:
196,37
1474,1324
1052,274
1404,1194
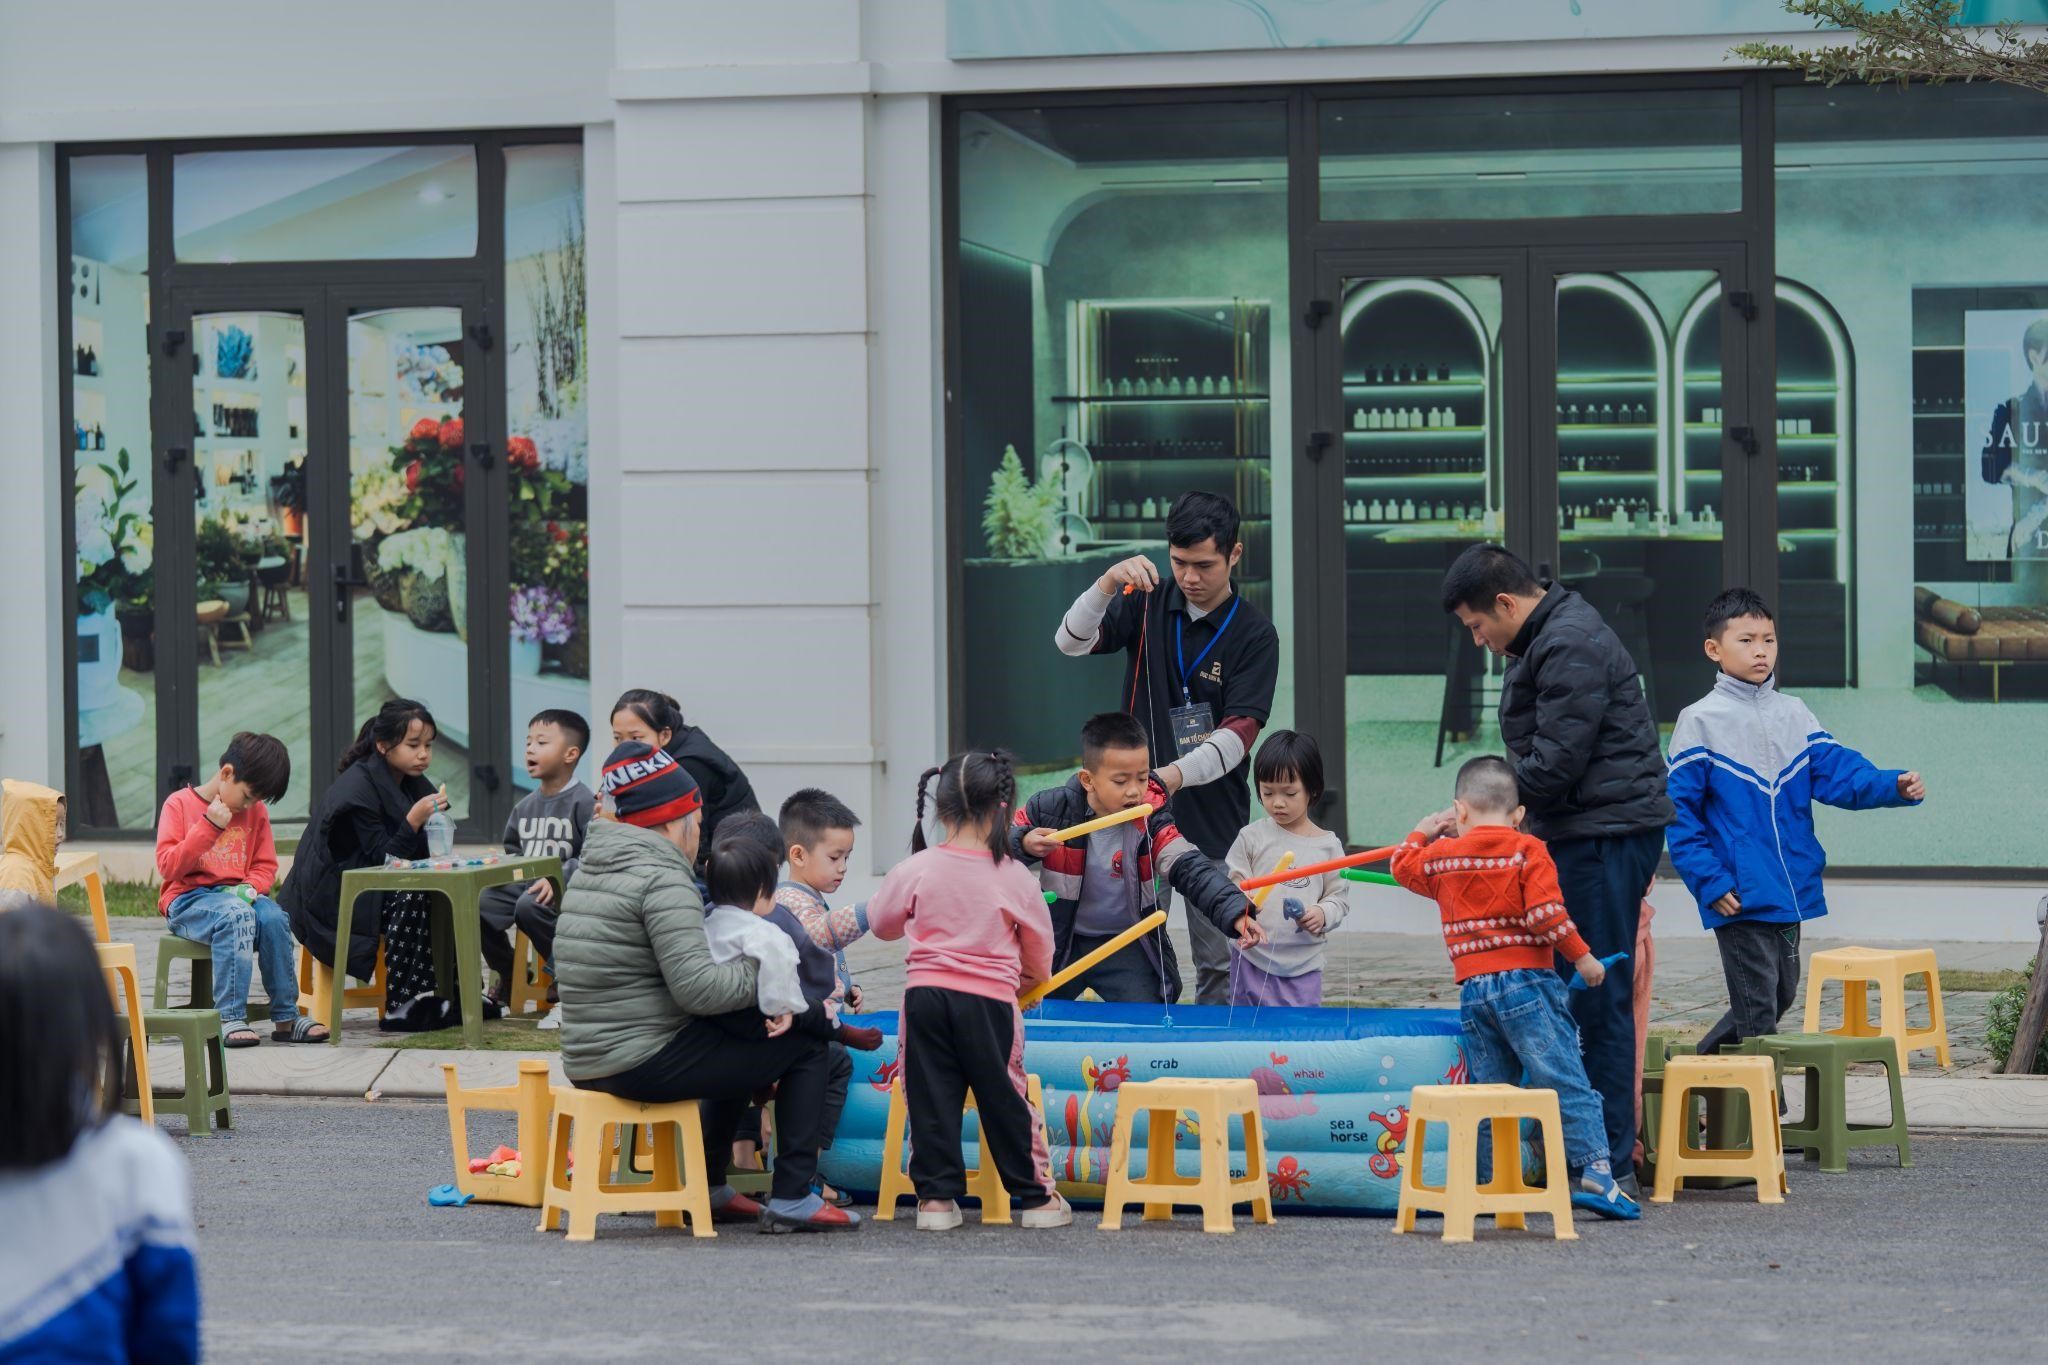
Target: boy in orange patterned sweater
218,861
1504,921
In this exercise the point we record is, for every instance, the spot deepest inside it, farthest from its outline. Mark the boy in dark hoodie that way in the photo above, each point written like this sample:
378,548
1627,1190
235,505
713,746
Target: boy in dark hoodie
1103,883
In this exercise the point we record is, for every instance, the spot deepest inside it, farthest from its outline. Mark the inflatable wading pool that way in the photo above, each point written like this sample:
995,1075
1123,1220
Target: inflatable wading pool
1333,1092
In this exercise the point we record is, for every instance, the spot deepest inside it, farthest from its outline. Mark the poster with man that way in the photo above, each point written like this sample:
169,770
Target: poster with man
2005,400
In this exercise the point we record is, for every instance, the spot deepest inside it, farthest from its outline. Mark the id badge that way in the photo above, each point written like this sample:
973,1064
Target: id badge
1192,726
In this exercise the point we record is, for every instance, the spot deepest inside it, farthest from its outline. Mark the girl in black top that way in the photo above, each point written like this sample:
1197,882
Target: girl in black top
376,809
655,718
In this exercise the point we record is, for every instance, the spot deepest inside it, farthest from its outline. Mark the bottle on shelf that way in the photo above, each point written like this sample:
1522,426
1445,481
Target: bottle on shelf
1442,513
1642,414
1607,413
1571,415
1149,510
1375,420
1443,374
1224,385
1415,417
1406,375
1173,389
1407,509
1358,420
1400,419
1374,513
1208,385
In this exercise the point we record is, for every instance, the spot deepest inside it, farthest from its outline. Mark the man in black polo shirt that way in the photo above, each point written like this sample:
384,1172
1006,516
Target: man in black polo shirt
1200,678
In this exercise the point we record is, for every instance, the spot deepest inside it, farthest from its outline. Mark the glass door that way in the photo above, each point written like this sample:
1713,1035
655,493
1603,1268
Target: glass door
239,448
1417,365
337,476
410,594
1644,434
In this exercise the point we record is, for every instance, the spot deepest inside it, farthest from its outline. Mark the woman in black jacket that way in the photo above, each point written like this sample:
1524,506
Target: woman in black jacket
642,716
376,809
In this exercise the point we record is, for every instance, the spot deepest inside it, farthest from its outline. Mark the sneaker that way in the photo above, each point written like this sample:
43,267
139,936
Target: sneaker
1599,1192
939,1220
1058,1214
823,1218
551,1020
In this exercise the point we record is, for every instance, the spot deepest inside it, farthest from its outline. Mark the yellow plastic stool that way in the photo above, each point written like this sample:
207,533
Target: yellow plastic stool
316,984
1856,969
1506,1198
529,1099
585,1132
117,962
984,1182
528,988
84,868
1763,1161
1212,1189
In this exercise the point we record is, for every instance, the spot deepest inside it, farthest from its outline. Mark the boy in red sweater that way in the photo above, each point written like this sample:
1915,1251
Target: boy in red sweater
218,861
1504,921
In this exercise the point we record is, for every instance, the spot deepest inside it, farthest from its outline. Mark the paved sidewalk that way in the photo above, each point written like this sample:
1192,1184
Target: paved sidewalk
1365,969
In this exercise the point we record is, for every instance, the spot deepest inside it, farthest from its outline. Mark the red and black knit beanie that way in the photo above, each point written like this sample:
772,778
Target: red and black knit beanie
647,787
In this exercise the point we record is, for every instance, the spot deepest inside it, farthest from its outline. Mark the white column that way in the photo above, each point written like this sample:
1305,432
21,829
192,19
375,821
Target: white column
32,689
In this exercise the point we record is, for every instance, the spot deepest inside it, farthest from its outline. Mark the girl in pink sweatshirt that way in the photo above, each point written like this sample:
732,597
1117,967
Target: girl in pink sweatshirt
979,933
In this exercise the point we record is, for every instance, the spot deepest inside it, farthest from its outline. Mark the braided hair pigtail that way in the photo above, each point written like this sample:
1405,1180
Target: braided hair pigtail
1002,771
917,840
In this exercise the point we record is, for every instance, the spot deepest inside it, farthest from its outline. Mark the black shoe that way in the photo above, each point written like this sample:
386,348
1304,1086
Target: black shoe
422,1014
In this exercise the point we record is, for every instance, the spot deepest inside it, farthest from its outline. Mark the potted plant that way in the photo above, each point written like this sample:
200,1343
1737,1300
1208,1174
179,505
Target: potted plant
540,615
288,491
218,554
114,563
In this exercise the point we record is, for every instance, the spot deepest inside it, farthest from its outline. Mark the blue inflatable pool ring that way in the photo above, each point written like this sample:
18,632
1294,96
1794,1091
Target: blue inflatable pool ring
1333,1092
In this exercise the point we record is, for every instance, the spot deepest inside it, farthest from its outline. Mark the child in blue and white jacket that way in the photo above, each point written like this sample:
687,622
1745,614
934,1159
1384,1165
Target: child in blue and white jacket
1747,763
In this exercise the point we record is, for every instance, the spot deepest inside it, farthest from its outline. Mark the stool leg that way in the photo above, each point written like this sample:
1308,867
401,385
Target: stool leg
1507,1168
586,1148
1160,1167
1814,986
1898,1124
1557,1178
1769,1147
132,997
894,1183
1677,1109
1461,1181
1255,1165
1829,1120
696,1180
198,1114
662,1143
1856,1021
1117,1189
217,1087
556,1186
1218,1213
1937,1020
1891,1013
1409,1174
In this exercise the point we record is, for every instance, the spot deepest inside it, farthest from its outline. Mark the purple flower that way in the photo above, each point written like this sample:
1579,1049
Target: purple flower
543,614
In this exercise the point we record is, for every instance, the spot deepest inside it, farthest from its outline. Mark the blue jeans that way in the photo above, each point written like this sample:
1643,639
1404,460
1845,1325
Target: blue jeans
232,926
1518,1032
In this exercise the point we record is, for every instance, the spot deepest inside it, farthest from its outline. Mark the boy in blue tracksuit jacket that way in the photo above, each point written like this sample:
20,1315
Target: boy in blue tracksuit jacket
1747,763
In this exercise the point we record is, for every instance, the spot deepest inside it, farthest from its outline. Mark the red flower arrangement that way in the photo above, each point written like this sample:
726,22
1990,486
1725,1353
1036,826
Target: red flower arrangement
424,429
451,434
522,454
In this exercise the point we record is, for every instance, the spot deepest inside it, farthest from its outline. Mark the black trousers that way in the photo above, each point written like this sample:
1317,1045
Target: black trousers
954,1042
722,1063
1126,976
1761,964
1603,880
503,907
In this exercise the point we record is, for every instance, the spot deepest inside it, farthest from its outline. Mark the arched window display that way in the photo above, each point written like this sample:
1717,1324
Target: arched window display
1815,444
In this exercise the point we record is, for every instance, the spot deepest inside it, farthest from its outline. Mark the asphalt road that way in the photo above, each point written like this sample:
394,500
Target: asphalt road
316,1242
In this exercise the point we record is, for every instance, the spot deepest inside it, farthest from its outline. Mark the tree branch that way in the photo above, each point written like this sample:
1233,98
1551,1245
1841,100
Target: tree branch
1919,40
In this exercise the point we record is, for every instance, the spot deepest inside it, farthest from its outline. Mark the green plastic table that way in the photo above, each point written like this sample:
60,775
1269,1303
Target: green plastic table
455,924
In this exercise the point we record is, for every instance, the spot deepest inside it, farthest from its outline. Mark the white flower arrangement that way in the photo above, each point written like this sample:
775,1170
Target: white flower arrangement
377,497
429,551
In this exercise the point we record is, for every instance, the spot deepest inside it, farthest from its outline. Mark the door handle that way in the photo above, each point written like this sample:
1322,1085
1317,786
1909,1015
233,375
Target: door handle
345,579
1318,442
1746,438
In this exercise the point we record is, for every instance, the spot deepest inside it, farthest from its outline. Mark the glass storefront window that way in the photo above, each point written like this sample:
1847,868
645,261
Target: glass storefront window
548,445
324,204
1122,287
110,453
1568,154
1911,284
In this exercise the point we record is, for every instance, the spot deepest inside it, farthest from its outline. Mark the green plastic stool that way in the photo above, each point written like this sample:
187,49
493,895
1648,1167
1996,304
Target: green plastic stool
170,948
199,1035
1824,1130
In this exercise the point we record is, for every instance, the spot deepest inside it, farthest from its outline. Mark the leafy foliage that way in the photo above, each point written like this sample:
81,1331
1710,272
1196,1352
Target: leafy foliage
1018,514
2002,1021
1914,40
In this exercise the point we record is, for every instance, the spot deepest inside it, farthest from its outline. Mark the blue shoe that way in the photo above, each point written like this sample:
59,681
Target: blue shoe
1598,1192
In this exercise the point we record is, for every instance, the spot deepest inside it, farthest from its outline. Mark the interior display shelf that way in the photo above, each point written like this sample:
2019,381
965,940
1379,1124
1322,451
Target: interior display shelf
1180,459
1375,386
1606,476
1607,381
1163,398
1469,476
1354,434
1586,428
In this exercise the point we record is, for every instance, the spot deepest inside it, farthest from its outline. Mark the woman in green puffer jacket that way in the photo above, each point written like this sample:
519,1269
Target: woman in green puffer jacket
648,1016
